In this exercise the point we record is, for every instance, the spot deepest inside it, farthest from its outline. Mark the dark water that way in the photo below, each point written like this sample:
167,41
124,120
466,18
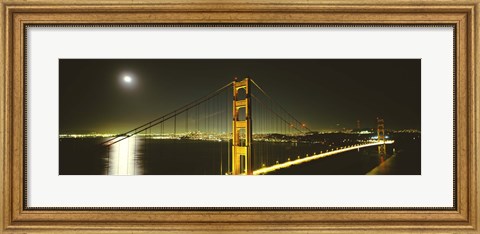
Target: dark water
85,156
82,156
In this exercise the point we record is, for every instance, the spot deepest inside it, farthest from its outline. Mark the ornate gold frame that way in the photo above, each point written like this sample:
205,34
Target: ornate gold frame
15,14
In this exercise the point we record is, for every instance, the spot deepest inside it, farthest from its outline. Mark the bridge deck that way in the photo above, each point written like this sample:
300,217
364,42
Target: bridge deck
275,167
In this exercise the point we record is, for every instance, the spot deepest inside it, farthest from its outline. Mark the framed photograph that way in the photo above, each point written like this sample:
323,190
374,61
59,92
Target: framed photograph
287,116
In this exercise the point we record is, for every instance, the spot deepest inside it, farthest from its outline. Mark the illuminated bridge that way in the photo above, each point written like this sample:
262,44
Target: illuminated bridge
247,133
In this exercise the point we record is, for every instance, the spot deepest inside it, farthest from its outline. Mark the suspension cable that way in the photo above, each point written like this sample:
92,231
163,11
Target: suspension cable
165,117
270,109
278,104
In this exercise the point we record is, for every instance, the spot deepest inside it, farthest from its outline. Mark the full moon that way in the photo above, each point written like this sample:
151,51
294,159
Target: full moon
127,79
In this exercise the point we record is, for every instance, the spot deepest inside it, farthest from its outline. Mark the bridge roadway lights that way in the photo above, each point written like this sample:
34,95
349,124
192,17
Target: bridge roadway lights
278,165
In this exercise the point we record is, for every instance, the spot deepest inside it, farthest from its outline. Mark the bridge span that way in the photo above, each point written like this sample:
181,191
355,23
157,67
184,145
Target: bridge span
275,167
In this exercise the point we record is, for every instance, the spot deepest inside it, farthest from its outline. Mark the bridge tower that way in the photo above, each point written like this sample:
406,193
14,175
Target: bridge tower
242,161
382,149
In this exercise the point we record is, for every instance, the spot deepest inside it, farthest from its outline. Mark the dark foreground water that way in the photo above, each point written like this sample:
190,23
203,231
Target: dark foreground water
86,156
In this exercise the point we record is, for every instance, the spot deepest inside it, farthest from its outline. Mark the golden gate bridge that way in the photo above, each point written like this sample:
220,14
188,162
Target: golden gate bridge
246,118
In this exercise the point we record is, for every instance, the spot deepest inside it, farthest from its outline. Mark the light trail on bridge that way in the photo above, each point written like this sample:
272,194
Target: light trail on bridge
275,167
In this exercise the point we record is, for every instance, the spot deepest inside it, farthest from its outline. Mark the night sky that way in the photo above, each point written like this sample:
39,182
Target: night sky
327,94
